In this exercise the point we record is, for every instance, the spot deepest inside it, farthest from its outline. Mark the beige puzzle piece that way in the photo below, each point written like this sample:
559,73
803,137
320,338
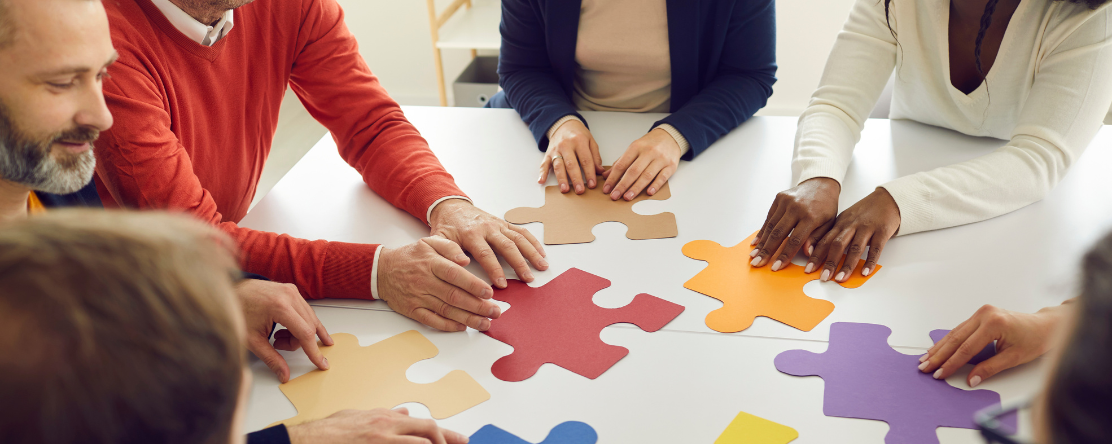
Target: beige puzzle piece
568,218
371,377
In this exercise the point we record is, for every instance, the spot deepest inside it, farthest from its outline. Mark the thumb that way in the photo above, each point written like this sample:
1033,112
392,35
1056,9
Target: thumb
262,349
453,437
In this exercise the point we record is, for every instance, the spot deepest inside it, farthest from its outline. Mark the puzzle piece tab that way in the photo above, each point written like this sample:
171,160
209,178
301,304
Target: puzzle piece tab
370,377
867,379
571,432
559,323
749,429
569,218
747,292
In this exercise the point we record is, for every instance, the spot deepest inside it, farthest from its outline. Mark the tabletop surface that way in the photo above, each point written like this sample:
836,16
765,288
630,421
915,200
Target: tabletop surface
686,382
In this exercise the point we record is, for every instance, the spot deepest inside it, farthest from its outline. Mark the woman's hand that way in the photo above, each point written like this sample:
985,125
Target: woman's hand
1020,338
868,223
805,213
573,155
648,162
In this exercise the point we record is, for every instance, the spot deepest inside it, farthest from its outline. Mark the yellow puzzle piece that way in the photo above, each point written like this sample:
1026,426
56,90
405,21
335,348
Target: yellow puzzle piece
749,429
370,377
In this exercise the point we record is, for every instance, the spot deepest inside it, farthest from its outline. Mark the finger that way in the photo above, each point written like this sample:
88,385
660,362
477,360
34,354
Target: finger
262,349
305,334
284,340
427,317
791,247
561,174
310,316
956,336
774,239
543,265
459,277
575,174
616,172
770,221
508,248
876,246
813,241
828,254
661,179
453,437
598,157
483,253
418,429
526,249
644,179
442,302
963,353
990,367
587,164
628,178
853,254
546,164
450,250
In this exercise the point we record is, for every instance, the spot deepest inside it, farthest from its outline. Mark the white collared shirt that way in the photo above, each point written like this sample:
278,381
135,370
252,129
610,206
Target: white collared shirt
196,31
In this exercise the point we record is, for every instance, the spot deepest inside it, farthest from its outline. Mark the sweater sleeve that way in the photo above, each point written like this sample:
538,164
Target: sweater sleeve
859,65
742,83
1067,104
526,75
337,88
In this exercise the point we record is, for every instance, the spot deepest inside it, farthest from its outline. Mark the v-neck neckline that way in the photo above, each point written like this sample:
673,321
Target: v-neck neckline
1005,43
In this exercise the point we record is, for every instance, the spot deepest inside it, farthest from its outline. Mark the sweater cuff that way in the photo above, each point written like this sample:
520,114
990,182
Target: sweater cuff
432,190
675,133
555,126
812,168
347,270
914,202
273,435
374,274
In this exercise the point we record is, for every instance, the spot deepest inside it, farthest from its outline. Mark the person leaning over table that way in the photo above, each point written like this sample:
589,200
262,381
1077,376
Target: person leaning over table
1042,85
711,64
196,94
52,111
124,328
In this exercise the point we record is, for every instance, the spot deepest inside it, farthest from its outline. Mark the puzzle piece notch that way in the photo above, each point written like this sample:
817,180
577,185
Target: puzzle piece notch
568,218
571,432
365,378
750,429
559,323
982,356
865,378
748,292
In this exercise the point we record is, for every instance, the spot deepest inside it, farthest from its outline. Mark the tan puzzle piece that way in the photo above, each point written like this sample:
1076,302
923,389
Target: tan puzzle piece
568,218
371,377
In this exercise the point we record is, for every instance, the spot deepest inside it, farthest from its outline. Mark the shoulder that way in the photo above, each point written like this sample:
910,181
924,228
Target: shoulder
1074,21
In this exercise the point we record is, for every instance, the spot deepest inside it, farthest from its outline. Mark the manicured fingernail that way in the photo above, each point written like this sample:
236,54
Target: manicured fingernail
925,357
924,365
630,195
540,179
606,189
756,261
825,275
810,250
866,271
810,267
326,366
591,183
579,188
754,252
974,381
938,374
652,190
753,242
776,265
840,275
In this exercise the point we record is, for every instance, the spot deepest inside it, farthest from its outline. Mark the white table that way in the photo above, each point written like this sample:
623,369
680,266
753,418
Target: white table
685,383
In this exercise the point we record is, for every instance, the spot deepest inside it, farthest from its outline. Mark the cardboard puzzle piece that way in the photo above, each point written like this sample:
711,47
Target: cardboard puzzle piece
749,429
865,378
568,218
747,292
982,356
559,323
370,377
571,432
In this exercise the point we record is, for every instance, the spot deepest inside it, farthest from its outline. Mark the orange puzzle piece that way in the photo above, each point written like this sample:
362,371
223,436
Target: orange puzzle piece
747,292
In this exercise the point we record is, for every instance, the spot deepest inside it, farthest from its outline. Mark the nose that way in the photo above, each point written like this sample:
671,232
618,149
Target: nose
94,111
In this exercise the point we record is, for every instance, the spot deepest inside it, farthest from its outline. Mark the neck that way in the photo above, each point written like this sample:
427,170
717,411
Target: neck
13,201
201,12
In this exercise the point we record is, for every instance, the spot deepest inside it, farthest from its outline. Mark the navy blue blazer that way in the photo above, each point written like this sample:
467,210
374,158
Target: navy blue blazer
723,55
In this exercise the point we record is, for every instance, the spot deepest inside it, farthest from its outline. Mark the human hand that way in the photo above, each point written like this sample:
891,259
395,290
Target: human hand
1020,338
806,212
266,303
868,223
378,426
648,162
486,237
572,154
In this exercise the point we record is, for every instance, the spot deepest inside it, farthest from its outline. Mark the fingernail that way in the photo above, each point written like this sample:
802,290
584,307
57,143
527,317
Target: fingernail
488,293
606,189
923,365
925,357
652,190
974,381
564,188
615,195
528,275
327,366
754,252
579,188
938,373
542,262
810,267
540,179
591,183
840,275
461,258
502,282
756,261
825,275
811,250
753,242
866,271
629,195
776,265
461,327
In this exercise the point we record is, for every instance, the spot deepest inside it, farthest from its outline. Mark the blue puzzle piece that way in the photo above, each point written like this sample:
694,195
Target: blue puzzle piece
571,432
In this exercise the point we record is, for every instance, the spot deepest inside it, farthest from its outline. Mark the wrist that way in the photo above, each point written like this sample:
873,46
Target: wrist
445,207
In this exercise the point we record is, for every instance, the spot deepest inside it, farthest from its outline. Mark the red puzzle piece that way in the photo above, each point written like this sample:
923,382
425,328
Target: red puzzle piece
559,323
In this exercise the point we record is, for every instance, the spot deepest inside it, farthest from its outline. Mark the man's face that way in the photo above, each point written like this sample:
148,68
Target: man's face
51,105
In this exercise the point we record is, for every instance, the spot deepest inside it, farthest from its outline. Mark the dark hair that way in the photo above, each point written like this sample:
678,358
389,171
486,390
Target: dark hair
1079,397
986,20
117,328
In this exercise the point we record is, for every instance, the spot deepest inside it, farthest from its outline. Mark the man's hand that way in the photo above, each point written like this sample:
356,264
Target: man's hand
266,303
868,223
1020,338
484,235
426,281
648,162
799,217
572,154
378,426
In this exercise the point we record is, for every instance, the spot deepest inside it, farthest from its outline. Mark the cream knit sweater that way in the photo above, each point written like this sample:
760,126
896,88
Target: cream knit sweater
1047,94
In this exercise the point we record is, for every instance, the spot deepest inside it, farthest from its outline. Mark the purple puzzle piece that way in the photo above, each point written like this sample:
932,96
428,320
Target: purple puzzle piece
988,352
865,378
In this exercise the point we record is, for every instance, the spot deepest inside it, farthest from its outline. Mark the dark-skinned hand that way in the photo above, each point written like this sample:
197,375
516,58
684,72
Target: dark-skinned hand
869,223
799,217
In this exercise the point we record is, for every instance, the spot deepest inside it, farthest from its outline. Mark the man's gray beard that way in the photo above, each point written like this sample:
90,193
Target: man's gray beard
31,164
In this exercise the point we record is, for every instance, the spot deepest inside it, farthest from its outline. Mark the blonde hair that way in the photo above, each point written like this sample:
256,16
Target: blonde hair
117,327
